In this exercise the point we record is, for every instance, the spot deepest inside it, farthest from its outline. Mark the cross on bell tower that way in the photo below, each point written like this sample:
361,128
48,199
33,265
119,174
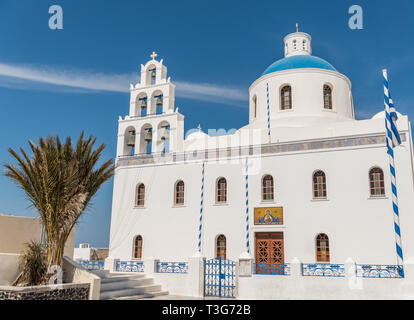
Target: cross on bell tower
153,55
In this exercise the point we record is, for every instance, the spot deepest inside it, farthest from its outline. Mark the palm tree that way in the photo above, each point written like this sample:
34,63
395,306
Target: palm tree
59,180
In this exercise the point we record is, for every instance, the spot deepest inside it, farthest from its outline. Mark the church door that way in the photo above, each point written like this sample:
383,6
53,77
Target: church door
269,253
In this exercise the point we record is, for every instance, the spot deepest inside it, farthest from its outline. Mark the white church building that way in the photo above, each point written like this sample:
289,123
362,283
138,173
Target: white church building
295,204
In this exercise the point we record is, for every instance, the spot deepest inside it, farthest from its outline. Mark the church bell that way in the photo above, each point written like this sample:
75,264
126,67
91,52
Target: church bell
159,101
148,135
131,140
144,103
165,133
153,74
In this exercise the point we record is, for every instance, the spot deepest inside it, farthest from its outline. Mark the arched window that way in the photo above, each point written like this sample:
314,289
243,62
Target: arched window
138,247
267,188
140,200
286,98
322,248
319,184
221,195
221,247
327,97
376,182
179,192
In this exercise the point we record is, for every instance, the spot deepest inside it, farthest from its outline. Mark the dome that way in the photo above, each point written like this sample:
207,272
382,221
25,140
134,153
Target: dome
298,62
196,134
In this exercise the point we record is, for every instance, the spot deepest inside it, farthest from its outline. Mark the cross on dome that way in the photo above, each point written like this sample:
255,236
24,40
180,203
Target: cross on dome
153,55
297,27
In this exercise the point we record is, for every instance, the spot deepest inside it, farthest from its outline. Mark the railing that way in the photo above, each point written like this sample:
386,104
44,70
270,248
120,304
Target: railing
92,264
272,268
129,266
323,270
172,267
379,271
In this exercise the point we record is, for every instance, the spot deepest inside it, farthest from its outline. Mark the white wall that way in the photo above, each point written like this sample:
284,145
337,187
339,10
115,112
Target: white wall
358,226
82,253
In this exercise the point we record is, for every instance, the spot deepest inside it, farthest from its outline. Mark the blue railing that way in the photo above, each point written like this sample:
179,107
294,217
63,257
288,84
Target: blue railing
379,271
92,264
129,266
323,270
272,268
172,267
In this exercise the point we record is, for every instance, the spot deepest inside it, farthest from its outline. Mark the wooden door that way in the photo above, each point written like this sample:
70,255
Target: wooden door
269,247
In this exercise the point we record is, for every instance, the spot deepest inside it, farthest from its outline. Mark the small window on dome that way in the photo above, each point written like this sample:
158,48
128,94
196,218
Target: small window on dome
286,98
327,97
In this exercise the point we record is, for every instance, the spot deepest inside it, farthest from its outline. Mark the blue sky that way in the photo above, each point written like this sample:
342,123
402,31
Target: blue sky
65,81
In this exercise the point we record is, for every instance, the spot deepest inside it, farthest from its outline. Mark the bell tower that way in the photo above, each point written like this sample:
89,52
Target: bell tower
298,43
153,125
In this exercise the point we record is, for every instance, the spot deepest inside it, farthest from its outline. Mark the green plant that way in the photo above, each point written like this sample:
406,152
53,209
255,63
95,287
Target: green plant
59,181
33,266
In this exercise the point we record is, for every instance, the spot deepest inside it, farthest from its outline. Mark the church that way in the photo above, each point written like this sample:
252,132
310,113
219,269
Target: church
295,204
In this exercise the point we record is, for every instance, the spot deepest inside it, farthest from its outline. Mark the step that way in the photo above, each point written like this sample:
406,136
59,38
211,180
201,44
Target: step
116,274
130,291
100,273
125,284
122,278
143,296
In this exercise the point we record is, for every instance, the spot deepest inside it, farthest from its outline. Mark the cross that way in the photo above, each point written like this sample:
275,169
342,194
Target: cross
153,55
199,127
297,27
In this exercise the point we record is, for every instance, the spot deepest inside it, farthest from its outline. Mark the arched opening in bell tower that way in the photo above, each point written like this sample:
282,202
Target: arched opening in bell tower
163,143
151,74
129,141
146,139
141,105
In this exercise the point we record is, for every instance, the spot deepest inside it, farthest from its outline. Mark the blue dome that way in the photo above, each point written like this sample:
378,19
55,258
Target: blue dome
297,62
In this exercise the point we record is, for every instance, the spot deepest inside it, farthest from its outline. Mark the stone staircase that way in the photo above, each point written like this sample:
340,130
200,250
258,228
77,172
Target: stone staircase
127,286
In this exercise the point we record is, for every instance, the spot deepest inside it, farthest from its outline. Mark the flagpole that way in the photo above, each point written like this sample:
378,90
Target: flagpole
247,206
390,145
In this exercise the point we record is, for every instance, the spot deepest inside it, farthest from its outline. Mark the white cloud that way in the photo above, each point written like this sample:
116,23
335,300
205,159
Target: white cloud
15,76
